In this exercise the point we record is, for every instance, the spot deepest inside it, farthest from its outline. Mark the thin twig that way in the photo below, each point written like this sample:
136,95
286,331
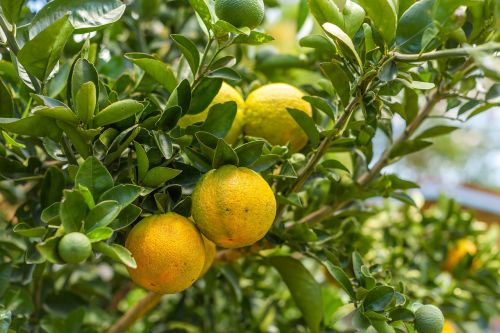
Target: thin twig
14,47
136,312
457,52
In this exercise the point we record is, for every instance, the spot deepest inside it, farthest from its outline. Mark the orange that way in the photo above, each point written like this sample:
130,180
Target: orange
461,249
169,252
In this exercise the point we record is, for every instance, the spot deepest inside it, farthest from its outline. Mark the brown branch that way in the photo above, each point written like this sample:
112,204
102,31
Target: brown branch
457,52
136,312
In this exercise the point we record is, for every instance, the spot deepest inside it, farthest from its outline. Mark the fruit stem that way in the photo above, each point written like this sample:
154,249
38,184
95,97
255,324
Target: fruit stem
139,310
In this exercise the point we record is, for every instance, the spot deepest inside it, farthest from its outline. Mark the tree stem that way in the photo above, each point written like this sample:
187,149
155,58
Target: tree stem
14,47
457,52
136,312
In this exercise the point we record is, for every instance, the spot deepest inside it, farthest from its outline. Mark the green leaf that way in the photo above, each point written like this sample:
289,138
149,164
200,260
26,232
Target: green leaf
117,253
202,10
26,230
321,104
164,143
223,155
142,161
249,152
342,38
159,175
318,42
124,194
254,38
85,15
100,234
204,94
157,69
436,131
59,112
11,10
305,290
303,12
86,101
94,176
341,277
384,15
307,124
117,111
50,215
77,138
339,79
126,217
5,320
225,73
388,72
81,73
7,105
52,186
335,164
412,25
409,147
189,50
102,214
401,314
349,17
48,249
73,211
40,54
378,298
220,119
417,84
488,63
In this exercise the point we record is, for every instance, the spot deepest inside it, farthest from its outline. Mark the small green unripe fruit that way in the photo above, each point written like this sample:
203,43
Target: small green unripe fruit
74,248
240,13
429,319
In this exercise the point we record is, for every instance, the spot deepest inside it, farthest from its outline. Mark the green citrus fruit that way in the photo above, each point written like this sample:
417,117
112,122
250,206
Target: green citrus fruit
240,13
233,207
74,248
169,253
226,94
429,319
266,115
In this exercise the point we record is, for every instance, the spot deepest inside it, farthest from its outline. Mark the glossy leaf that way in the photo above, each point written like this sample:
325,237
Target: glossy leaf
94,176
204,94
11,10
37,126
117,253
159,175
81,73
220,119
124,194
224,155
307,124
85,101
102,214
85,15
249,152
155,68
341,277
58,112
117,111
305,290
343,39
100,234
189,50
40,55
378,298
73,211
412,25
384,15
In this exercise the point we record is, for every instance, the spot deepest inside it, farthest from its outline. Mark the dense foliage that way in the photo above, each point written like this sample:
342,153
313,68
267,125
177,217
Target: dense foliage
91,93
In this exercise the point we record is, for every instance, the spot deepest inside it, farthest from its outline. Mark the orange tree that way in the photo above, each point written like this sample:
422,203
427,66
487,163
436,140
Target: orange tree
113,112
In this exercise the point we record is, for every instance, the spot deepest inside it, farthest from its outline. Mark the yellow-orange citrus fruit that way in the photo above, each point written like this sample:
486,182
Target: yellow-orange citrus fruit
461,249
210,252
226,94
233,207
448,327
169,253
266,115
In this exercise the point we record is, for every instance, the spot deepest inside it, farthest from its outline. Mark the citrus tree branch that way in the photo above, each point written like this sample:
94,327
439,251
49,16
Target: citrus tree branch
136,312
14,47
450,53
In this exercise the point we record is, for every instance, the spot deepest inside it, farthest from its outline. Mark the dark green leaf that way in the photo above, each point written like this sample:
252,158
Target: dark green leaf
223,155
126,217
388,72
307,124
7,105
52,187
339,79
102,214
334,164
220,119
73,211
225,73
159,175
40,54
124,194
93,175
249,152
341,277
412,25
204,94
305,290
142,161
401,314
378,298
189,50
164,143
321,104
409,147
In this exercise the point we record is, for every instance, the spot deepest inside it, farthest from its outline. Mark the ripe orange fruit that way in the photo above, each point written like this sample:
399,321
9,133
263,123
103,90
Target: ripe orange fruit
169,253
210,252
266,115
226,94
74,248
461,249
233,207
